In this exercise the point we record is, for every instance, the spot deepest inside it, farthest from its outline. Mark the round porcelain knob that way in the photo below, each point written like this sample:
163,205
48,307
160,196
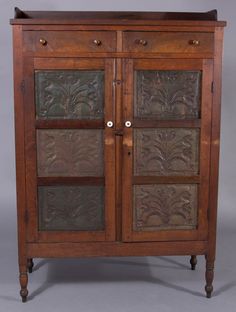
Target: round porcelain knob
109,124
128,124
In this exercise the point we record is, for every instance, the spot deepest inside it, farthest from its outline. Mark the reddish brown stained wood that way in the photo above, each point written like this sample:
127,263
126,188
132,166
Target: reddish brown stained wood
70,45
114,22
215,144
31,157
118,188
69,124
71,236
117,15
118,87
119,47
19,145
209,276
30,265
109,155
193,262
65,41
138,123
193,28
133,55
23,277
205,144
22,208
68,63
165,235
90,249
127,151
118,18
171,42
30,150
166,64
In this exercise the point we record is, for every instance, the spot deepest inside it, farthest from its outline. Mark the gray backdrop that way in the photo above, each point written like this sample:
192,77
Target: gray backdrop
119,284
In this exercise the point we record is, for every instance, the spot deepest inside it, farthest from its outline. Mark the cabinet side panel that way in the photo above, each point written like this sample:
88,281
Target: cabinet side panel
215,143
19,143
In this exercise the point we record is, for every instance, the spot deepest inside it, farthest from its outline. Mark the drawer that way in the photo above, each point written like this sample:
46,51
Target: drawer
168,42
69,41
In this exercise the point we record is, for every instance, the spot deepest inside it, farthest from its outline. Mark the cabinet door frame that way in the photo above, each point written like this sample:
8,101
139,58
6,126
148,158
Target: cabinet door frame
31,64
128,178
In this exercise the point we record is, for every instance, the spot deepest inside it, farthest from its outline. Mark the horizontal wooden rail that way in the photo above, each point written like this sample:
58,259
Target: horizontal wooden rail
69,124
196,123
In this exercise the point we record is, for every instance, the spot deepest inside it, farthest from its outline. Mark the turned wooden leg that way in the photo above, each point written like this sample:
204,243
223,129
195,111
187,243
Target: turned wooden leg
209,277
23,283
193,262
30,265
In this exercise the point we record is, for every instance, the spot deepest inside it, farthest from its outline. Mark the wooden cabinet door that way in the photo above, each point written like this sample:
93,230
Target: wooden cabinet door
166,149
69,151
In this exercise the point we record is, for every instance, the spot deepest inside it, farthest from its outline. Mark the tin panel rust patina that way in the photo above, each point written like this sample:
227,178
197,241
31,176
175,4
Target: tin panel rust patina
70,152
166,151
167,95
69,94
71,208
165,207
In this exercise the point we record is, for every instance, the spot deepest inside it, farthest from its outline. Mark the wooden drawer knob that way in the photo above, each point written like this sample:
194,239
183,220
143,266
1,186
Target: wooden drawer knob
43,41
141,42
194,42
97,42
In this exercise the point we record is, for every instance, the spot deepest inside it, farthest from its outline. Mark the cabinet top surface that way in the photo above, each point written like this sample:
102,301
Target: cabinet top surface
116,18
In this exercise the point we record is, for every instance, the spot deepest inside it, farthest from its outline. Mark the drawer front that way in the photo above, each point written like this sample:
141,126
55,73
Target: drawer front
69,41
168,42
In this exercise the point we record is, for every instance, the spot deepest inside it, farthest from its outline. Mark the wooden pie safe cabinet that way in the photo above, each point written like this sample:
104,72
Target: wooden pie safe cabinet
117,118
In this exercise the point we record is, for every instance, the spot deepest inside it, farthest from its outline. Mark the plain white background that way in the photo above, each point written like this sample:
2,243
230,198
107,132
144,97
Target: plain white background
119,284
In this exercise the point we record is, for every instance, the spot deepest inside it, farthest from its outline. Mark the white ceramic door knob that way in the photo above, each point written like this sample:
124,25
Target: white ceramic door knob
128,124
109,124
